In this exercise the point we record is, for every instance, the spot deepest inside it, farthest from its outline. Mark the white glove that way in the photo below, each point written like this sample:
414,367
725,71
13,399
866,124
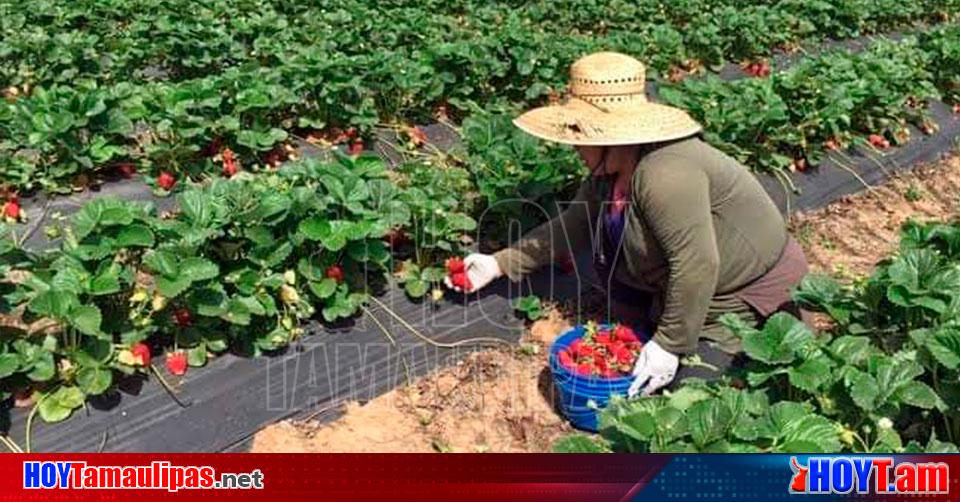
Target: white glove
482,269
654,369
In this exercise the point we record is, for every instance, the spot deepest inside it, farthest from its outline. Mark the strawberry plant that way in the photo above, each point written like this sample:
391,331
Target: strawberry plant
240,266
518,177
821,102
884,379
81,95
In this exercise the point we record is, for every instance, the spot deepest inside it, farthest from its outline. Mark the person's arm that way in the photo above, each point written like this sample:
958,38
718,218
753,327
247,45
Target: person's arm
675,202
542,245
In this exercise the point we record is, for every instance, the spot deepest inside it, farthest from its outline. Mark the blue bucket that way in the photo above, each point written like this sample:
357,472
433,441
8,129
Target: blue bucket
576,391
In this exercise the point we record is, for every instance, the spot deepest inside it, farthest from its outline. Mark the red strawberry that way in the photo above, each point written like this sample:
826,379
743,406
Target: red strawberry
11,210
456,265
831,144
877,140
566,360
462,281
584,350
574,347
166,180
182,317
335,272
229,163
177,362
956,108
610,373
142,352
351,133
602,338
127,170
355,148
625,334
601,364
584,369
625,356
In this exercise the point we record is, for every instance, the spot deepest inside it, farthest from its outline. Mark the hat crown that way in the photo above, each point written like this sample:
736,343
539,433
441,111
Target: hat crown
608,77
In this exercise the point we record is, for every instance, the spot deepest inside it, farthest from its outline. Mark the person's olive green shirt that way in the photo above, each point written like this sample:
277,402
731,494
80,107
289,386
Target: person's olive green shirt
699,225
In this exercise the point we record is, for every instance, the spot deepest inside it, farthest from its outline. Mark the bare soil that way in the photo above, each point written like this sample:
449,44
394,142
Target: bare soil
502,401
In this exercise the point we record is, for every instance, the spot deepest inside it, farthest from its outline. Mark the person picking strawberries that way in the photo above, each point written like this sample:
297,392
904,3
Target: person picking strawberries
684,233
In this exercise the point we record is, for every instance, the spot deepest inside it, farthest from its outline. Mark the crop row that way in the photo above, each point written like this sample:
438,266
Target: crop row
112,41
828,102
784,121
886,378
159,85
240,266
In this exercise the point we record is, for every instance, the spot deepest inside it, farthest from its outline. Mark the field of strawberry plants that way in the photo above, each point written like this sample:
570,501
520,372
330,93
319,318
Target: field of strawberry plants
100,86
205,103
885,378
826,103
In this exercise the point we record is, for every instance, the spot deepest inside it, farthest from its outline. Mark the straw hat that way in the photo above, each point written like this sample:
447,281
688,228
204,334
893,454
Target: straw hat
607,106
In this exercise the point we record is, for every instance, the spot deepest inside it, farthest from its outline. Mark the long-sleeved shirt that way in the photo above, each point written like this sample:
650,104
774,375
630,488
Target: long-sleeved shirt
699,225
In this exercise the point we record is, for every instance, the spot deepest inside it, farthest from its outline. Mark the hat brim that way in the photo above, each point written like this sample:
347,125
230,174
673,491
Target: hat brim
580,123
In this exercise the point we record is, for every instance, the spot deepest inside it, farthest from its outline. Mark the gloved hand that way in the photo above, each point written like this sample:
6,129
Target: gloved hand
482,269
655,368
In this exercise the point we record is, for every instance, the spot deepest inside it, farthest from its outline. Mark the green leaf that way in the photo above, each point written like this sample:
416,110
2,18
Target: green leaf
53,303
811,374
332,234
43,368
416,288
919,394
198,269
162,262
945,347
852,349
216,342
9,364
888,441
107,280
579,443
776,343
135,235
313,228
209,301
86,319
172,287
58,406
324,288
237,313
94,380
197,356
530,305
198,208
864,390
708,421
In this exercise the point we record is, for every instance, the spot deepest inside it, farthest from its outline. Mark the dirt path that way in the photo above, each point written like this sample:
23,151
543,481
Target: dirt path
500,401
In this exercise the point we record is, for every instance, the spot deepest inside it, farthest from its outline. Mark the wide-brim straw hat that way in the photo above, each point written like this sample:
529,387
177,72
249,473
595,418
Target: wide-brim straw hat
607,105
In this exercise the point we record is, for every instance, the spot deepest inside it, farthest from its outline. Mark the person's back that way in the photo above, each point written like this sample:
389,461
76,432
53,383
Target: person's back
749,228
